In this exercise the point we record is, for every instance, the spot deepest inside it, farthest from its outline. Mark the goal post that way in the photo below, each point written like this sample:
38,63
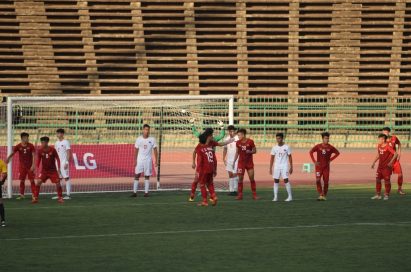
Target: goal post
102,131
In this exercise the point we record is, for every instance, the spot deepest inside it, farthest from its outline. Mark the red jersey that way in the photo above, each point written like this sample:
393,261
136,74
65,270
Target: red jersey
393,142
25,154
243,157
324,153
48,158
206,159
385,155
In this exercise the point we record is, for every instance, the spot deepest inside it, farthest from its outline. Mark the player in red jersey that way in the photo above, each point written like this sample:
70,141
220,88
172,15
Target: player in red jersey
26,163
386,156
245,151
395,143
326,153
50,162
206,168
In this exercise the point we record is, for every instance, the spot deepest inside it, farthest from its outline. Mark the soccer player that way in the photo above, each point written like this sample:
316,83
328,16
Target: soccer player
326,153
207,131
228,157
395,143
63,149
26,152
143,160
3,177
50,164
244,153
281,155
386,156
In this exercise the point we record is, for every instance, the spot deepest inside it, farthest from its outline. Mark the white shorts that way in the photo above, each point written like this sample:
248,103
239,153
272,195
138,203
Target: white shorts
280,172
145,167
64,173
229,167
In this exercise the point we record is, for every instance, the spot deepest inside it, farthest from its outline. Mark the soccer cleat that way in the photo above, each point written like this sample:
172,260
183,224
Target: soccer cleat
3,224
386,197
376,197
214,201
60,200
324,198
275,199
20,197
34,200
133,195
239,197
203,204
191,199
320,198
146,195
67,197
401,192
288,199
55,197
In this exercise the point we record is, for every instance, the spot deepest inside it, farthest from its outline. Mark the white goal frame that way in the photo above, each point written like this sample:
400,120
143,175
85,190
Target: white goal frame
12,100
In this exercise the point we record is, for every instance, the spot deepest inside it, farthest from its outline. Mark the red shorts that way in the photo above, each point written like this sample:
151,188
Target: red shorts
396,168
205,178
384,173
26,172
322,172
241,169
53,176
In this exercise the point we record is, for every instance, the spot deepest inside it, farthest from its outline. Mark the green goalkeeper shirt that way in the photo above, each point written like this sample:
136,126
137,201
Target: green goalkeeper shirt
218,138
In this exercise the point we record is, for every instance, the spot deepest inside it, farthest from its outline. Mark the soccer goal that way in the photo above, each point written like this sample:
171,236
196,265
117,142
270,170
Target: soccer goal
102,131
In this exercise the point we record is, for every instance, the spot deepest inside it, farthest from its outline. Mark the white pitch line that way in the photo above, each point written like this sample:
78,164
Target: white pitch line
371,224
62,206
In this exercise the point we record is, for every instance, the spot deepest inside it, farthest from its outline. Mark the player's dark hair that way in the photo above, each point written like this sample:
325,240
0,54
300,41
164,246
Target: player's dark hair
325,134
386,129
280,134
44,139
146,126
24,134
242,130
203,138
383,136
231,127
60,130
208,131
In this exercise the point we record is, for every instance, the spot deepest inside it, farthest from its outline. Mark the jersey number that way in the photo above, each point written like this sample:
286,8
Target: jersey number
210,156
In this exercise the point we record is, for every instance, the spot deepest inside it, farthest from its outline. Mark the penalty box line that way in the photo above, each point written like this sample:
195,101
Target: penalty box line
176,232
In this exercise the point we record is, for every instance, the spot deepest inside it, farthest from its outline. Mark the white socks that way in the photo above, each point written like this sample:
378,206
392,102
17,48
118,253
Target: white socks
146,185
135,186
68,187
233,184
287,187
276,185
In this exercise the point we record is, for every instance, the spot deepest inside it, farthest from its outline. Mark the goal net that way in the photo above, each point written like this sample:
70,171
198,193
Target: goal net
102,131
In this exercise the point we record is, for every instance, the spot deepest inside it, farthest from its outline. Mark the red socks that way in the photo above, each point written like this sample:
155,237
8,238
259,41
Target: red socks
378,187
59,191
400,181
37,192
210,187
33,187
203,192
325,188
240,188
22,187
319,188
253,187
193,188
387,185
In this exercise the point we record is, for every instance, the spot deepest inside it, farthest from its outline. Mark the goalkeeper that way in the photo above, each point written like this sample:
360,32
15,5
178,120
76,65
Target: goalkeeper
196,133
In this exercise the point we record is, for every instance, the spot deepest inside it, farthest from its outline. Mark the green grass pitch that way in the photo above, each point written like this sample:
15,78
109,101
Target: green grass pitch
113,232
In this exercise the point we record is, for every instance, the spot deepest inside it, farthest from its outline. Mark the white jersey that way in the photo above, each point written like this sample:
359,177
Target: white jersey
281,154
145,148
61,148
231,148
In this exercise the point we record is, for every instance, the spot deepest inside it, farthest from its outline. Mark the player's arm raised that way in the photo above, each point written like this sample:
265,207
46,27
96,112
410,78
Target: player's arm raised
226,142
194,129
222,132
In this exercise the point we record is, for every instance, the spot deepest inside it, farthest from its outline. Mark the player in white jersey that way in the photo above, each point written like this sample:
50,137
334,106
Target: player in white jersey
281,166
145,146
228,157
63,149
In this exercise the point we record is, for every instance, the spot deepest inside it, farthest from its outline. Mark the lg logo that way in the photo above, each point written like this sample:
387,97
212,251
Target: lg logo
89,162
